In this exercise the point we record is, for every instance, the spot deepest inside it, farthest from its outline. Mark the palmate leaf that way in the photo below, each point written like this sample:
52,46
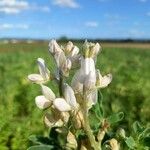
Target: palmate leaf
114,118
137,127
40,147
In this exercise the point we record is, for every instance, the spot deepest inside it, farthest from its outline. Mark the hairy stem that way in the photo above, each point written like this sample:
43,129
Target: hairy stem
87,127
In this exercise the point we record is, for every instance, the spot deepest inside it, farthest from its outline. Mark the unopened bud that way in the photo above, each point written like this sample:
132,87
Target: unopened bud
83,147
72,143
114,144
69,47
121,133
79,120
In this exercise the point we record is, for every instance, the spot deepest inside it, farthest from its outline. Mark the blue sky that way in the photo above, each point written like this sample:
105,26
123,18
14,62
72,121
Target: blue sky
47,19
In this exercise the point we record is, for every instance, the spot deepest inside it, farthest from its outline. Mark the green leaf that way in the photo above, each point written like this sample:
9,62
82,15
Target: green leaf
39,139
115,118
130,142
40,147
137,127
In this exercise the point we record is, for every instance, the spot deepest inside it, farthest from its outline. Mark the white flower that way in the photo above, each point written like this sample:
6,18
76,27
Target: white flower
68,47
86,75
64,64
91,49
68,102
70,96
103,81
45,100
44,73
52,121
54,47
76,84
92,98
61,104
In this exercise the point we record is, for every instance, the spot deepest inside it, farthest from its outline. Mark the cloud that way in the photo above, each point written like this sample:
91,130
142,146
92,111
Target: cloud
91,24
66,3
17,6
13,26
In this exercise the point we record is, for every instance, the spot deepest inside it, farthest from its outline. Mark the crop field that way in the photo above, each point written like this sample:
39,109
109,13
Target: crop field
19,117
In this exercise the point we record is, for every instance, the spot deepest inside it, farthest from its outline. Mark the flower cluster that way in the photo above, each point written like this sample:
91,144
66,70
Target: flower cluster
75,99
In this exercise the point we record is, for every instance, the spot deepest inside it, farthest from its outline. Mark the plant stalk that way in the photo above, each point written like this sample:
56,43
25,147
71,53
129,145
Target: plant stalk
95,145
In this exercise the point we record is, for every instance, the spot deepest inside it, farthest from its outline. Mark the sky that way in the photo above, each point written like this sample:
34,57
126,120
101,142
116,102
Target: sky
45,19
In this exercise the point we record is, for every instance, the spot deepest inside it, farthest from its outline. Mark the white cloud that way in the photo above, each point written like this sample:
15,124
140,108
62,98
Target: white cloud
17,6
66,3
13,26
91,24
13,6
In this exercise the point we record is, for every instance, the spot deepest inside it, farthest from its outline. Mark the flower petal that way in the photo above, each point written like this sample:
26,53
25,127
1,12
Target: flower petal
69,47
74,51
48,93
54,47
42,69
36,78
90,80
87,65
69,96
106,80
60,59
42,102
51,121
92,98
61,104
75,83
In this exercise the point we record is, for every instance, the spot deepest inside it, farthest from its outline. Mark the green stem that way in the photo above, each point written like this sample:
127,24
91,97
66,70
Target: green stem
60,84
87,127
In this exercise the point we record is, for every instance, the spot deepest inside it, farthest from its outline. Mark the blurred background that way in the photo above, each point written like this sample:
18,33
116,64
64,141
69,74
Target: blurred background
26,26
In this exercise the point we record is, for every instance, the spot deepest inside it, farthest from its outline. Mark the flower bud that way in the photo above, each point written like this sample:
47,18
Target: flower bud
41,102
72,143
44,72
78,120
121,133
61,104
69,47
48,93
54,47
114,144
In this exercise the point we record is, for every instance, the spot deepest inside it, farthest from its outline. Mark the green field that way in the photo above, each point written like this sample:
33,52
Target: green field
19,117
